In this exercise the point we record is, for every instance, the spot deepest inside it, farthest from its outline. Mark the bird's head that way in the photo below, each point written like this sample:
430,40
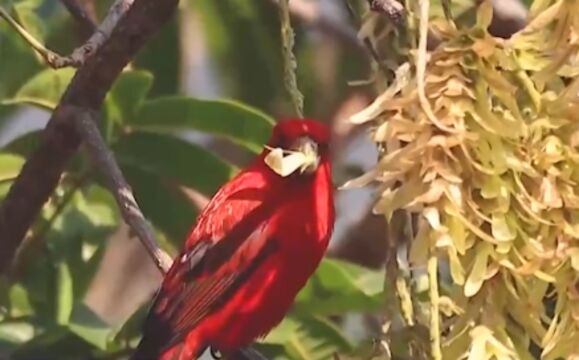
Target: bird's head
297,145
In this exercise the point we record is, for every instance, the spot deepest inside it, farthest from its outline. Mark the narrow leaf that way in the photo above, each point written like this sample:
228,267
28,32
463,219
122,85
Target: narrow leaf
239,123
44,90
174,160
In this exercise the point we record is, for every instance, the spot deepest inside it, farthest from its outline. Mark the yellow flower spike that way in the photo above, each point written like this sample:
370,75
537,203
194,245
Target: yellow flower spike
574,256
500,229
456,269
479,268
498,198
485,346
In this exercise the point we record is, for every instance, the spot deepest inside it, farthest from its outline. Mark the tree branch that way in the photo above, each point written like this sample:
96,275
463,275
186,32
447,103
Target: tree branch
79,13
80,54
104,161
47,54
102,33
391,8
41,173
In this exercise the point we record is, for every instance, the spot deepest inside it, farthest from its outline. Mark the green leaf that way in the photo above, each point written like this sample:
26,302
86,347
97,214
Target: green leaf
82,219
29,19
98,205
127,94
10,166
24,144
240,123
43,90
76,241
52,340
98,210
17,62
311,338
338,287
64,292
89,326
133,327
166,206
174,160
13,334
38,279
162,56
19,301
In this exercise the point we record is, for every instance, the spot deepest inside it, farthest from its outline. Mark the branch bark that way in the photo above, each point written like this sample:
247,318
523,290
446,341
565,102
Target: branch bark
85,19
391,8
102,33
104,161
60,141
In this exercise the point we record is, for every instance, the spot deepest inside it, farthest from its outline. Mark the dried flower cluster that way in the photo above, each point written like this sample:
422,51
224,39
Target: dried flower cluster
493,173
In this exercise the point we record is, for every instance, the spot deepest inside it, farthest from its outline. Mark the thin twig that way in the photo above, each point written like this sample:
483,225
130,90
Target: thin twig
421,67
48,55
435,352
103,160
390,273
402,286
289,60
80,54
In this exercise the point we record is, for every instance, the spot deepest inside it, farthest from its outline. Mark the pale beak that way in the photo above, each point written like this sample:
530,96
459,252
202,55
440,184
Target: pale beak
302,155
309,149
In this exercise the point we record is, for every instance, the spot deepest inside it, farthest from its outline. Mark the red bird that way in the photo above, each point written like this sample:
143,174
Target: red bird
254,247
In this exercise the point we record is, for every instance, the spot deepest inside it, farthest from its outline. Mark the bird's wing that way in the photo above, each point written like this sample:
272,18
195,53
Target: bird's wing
202,278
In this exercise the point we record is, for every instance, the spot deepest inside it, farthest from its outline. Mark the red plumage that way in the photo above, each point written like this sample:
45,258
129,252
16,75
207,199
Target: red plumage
253,248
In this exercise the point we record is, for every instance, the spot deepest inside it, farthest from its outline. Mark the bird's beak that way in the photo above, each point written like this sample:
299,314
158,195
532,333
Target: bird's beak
309,149
302,155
